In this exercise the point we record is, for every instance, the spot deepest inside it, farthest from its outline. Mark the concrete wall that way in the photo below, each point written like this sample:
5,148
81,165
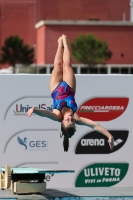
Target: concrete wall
118,37
83,9
18,17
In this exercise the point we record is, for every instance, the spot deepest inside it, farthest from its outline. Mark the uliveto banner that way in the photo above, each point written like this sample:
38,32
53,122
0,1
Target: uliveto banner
35,141
102,175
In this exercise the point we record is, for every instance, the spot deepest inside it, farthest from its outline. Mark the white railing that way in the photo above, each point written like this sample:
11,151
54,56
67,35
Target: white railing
34,68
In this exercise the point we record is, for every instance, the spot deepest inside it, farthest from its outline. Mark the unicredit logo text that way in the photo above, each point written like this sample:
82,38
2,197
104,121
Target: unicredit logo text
103,109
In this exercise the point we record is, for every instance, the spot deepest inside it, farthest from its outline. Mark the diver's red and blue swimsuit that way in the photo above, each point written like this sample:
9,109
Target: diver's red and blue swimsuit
63,96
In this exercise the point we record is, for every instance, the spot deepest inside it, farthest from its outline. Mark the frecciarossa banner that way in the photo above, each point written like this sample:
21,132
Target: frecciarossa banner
35,141
103,109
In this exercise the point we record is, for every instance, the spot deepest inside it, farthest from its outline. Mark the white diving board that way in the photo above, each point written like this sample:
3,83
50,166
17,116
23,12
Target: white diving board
28,170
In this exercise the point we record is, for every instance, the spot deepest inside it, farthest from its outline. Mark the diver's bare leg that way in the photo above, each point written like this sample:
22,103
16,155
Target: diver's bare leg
57,73
68,73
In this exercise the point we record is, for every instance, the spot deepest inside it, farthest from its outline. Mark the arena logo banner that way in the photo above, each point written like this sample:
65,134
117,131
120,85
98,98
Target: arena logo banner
95,143
103,109
101,175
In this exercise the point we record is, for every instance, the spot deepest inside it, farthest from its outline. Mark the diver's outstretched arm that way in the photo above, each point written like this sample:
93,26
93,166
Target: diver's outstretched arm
95,126
43,113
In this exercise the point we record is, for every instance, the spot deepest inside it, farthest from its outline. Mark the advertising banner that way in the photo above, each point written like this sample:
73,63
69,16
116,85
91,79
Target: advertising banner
35,141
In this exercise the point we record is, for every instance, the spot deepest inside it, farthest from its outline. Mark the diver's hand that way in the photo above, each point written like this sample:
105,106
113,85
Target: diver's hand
111,142
30,111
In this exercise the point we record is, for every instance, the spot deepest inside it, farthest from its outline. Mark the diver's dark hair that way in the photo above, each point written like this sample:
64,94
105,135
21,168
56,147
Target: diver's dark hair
67,132
65,143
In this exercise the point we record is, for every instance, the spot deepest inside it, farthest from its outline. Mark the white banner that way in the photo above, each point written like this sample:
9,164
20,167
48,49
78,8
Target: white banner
35,141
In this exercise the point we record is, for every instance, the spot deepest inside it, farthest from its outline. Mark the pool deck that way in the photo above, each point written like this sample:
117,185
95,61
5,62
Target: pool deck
85,193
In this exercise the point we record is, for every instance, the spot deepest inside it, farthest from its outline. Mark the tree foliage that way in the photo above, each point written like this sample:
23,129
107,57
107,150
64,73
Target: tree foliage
89,50
14,51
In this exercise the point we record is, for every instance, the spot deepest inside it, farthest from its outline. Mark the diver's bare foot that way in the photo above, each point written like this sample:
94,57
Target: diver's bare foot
65,40
60,41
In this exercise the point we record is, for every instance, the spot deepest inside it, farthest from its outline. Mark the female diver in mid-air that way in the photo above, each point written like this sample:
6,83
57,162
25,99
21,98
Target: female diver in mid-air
62,88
